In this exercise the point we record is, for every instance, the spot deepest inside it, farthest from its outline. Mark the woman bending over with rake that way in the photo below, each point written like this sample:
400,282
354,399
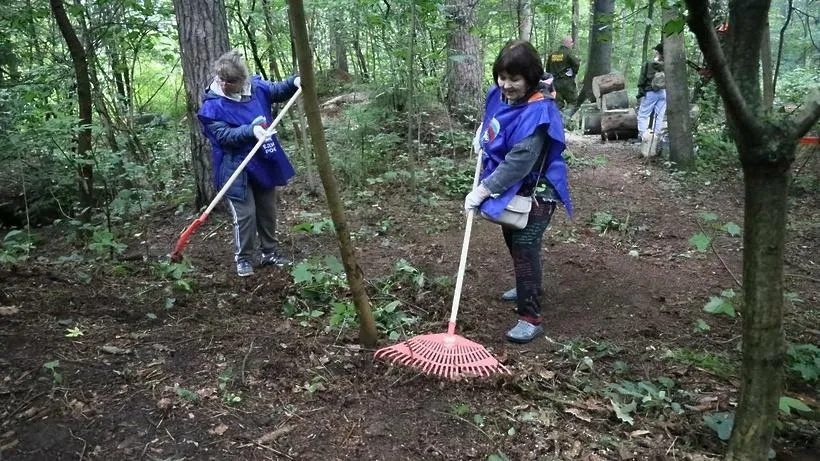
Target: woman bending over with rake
522,138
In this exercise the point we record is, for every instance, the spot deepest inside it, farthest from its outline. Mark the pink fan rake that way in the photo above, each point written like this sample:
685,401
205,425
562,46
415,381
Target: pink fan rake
447,354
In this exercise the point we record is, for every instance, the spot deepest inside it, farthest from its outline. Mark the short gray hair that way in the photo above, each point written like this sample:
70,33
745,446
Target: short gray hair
231,69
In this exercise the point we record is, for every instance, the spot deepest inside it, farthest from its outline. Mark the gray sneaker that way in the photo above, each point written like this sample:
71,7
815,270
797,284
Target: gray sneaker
510,295
273,259
524,332
244,268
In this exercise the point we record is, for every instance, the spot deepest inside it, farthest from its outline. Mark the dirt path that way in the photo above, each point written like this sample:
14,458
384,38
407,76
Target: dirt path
149,380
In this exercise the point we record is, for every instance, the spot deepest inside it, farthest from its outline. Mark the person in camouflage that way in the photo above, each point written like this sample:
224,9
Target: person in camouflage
564,65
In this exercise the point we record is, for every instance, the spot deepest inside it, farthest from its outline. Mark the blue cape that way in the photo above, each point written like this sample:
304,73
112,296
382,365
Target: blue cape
270,166
504,126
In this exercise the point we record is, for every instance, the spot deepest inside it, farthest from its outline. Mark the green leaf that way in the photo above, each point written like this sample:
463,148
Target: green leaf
793,297
719,305
51,365
334,265
461,409
623,411
151,315
394,336
478,420
700,241
705,216
497,457
701,326
169,303
728,293
316,313
721,423
73,332
732,229
787,403
301,273
674,26
391,307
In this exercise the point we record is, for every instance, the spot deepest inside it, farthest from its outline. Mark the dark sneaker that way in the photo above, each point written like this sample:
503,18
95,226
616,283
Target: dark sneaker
273,259
524,332
244,268
510,295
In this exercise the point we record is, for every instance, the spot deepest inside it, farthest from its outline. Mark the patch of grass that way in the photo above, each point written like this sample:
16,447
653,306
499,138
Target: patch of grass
716,364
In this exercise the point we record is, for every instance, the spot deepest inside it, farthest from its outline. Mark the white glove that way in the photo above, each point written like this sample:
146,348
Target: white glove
477,139
261,132
474,198
259,121
298,82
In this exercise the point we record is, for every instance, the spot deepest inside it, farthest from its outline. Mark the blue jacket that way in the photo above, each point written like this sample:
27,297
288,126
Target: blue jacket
227,125
504,126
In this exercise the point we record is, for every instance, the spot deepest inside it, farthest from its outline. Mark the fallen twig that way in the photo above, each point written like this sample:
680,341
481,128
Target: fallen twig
714,250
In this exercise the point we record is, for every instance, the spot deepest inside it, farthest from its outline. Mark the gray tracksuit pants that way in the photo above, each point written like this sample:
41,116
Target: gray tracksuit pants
256,215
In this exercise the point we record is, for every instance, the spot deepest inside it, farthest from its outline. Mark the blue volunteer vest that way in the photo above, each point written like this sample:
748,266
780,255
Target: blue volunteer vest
270,166
504,126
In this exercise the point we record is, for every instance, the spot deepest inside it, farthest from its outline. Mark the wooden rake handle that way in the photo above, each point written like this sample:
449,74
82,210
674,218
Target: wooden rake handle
462,263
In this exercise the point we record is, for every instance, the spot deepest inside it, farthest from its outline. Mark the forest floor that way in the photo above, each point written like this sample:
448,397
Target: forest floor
240,369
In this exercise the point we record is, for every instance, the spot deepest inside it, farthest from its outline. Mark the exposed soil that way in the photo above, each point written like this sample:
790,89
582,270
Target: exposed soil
143,380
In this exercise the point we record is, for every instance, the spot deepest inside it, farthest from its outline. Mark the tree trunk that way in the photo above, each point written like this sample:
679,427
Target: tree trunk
85,171
600,46
681,144
203,37
575,21
766,68
339,48
464,62
629,64
355,277
250,33
607,83
766,148
524,20
357,48
647,32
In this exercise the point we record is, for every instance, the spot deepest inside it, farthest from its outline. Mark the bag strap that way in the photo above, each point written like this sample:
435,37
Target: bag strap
540,172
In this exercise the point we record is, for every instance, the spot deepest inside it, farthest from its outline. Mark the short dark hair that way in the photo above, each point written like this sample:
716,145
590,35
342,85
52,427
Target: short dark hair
659,48
519,57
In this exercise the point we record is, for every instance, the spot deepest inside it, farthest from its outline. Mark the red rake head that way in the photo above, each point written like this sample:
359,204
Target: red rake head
443,354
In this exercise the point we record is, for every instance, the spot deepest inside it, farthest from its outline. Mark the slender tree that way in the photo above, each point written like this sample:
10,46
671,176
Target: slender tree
355,277
766,147
681,146
524,20
85,171
464,61
600,46
203,37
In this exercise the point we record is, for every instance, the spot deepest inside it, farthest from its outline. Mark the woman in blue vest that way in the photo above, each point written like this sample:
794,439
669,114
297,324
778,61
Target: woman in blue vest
521,135
234,113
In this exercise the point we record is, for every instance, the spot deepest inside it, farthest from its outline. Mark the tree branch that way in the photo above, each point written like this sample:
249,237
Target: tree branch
700,23
806,120
780,45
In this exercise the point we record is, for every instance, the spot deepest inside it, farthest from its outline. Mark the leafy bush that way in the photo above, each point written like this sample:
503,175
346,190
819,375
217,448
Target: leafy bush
15,246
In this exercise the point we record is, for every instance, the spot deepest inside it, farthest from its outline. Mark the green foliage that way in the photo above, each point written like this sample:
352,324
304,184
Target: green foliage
794,86
102,242
701,326
787,404
602,221
15,247
56,377
627,396
711,362
803,361
316,227
224,381
177,274
722,305
721,423
322,283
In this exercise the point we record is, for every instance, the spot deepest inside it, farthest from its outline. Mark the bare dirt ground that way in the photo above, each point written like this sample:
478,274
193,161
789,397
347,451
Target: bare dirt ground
149,380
